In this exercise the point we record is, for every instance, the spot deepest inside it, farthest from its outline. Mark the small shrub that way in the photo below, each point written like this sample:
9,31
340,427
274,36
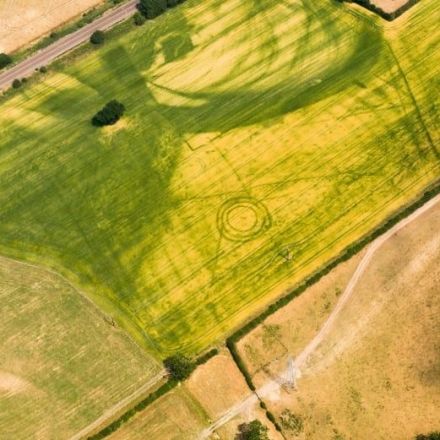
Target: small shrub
138,19
16,84
4,60
43,69
179,367
254,430
292,422
109,115
97,38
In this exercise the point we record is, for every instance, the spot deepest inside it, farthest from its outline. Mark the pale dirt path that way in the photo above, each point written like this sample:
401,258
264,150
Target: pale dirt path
125,403
67,43
300,360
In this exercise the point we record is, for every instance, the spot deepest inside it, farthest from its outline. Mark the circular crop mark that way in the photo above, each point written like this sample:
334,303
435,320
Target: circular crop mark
243,219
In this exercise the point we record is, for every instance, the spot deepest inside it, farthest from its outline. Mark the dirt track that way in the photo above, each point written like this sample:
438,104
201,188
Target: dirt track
301,359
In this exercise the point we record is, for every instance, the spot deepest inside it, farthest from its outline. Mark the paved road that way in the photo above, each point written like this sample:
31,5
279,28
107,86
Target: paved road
69,42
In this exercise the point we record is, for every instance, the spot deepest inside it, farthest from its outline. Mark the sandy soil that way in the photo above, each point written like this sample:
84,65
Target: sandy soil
389,5
23,21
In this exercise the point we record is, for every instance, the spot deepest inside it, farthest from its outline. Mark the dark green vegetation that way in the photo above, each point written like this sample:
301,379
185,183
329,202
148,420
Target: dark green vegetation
179,367
109,115
180,222
4,60
138,19
97,38
431,436
153,8
17,83
254,430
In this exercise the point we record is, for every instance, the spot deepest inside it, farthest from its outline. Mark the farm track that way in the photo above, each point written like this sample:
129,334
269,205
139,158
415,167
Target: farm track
65,44
314,343
125,403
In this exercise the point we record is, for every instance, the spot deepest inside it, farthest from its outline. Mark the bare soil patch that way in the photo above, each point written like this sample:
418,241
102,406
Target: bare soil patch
389,6
23,21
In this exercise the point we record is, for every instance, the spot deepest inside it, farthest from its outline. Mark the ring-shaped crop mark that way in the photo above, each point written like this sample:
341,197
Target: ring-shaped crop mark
243,219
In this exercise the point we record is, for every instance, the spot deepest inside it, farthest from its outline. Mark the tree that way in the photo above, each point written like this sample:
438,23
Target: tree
254,430
16,83
109,114
152,8
180,367
97,37
138,19
431,436
4,60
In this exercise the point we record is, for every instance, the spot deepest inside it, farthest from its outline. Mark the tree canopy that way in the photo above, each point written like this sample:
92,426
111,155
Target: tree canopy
97,37
109,114
153,8
431,436
4,60
254,430
180,367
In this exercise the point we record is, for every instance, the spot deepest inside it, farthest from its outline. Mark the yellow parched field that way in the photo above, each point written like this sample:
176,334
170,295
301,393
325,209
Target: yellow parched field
260,140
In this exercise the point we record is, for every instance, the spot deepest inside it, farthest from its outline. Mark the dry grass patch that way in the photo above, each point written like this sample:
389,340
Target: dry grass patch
23,21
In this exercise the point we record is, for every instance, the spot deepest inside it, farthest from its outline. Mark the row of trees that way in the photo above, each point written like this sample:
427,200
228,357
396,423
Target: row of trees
153,8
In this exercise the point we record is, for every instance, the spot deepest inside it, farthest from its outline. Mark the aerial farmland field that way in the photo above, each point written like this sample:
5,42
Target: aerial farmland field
260,140
62,364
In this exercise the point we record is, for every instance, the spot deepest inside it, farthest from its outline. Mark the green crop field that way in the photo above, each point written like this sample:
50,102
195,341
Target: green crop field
260,139
62,365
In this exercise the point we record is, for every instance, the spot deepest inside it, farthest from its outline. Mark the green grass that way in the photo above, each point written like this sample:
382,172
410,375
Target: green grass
259,141
62,364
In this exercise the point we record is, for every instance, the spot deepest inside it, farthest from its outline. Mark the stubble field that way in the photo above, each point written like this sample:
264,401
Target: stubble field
62,363
23,21
260,140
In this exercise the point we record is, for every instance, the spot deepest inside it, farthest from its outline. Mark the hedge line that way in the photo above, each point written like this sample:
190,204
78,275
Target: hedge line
314,278
131,412
386,15
205,357
168,386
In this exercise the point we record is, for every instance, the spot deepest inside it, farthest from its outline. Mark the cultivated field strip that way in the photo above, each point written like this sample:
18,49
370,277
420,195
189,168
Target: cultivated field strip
260,140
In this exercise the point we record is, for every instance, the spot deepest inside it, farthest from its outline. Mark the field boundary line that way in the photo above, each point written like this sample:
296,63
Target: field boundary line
118,407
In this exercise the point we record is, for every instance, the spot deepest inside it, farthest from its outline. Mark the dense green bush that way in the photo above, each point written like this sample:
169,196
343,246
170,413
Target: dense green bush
138,19
205,357
4,60
16,84
153,8
109,115
97,38
179,366
254,430
431,436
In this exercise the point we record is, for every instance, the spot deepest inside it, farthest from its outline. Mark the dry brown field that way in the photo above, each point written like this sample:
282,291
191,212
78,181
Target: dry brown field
24,21
185,412
377,373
